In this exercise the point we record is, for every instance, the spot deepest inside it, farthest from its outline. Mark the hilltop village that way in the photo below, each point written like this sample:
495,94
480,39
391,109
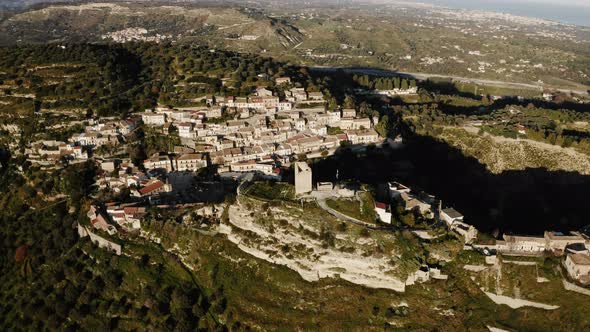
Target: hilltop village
259,138
231,174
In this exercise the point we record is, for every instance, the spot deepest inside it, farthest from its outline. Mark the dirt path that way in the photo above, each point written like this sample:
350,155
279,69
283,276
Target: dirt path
322,203
518,303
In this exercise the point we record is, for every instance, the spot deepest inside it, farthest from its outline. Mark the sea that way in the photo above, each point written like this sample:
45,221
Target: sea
569,12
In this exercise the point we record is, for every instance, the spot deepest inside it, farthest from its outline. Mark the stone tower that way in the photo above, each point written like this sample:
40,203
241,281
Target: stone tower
303,182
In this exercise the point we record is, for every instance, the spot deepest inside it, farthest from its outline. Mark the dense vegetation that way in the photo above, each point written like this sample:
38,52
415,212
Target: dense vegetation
50,279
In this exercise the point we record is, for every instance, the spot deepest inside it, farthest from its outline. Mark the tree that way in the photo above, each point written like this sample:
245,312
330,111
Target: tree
349,102
396,82
404,85
382,128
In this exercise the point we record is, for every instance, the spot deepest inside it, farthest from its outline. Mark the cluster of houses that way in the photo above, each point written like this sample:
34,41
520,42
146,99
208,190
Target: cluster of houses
264,132
101,220
50,152
117,175
424,205
573,246
97,134
127,217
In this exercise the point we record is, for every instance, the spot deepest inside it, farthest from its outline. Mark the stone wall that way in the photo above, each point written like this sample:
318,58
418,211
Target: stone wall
99,240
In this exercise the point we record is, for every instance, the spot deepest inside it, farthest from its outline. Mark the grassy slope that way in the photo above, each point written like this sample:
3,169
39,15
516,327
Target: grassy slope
275,298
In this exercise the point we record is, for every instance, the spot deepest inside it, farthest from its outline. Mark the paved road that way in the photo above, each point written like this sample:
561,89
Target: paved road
424,76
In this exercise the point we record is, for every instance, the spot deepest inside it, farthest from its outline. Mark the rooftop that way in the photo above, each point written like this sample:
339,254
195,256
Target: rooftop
452,213
580,259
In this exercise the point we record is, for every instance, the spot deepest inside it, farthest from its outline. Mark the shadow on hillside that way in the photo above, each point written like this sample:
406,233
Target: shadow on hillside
527,202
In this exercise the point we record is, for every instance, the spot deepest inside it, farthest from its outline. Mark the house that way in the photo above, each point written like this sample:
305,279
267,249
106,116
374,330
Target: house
108,165
547,96
263,92
190,162
383,211
468,232
325,186
253,166
296,94
93,139
315,96
415,203
396,189
362,123
556,242
578,267
152,187
185,130
348,113
395,143
100,222
450,216
362,136
127,217
158,161
527,245
155,119
282,80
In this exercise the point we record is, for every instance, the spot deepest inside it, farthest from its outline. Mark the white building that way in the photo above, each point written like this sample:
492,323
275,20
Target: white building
190,162
158,162
156,119
252,166
578,267
303,179
450,215
557,242
383,212
185,130
528,245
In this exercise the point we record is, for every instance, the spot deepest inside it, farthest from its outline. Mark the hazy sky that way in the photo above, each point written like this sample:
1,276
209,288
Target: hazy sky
584,3
567,11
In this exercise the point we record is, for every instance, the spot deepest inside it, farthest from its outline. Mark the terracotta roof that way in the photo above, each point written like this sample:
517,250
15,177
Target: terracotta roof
380,205
131,210
154,186
191,156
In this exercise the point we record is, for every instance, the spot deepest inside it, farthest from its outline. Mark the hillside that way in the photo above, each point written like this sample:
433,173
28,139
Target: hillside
136,22
500,154
390,37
